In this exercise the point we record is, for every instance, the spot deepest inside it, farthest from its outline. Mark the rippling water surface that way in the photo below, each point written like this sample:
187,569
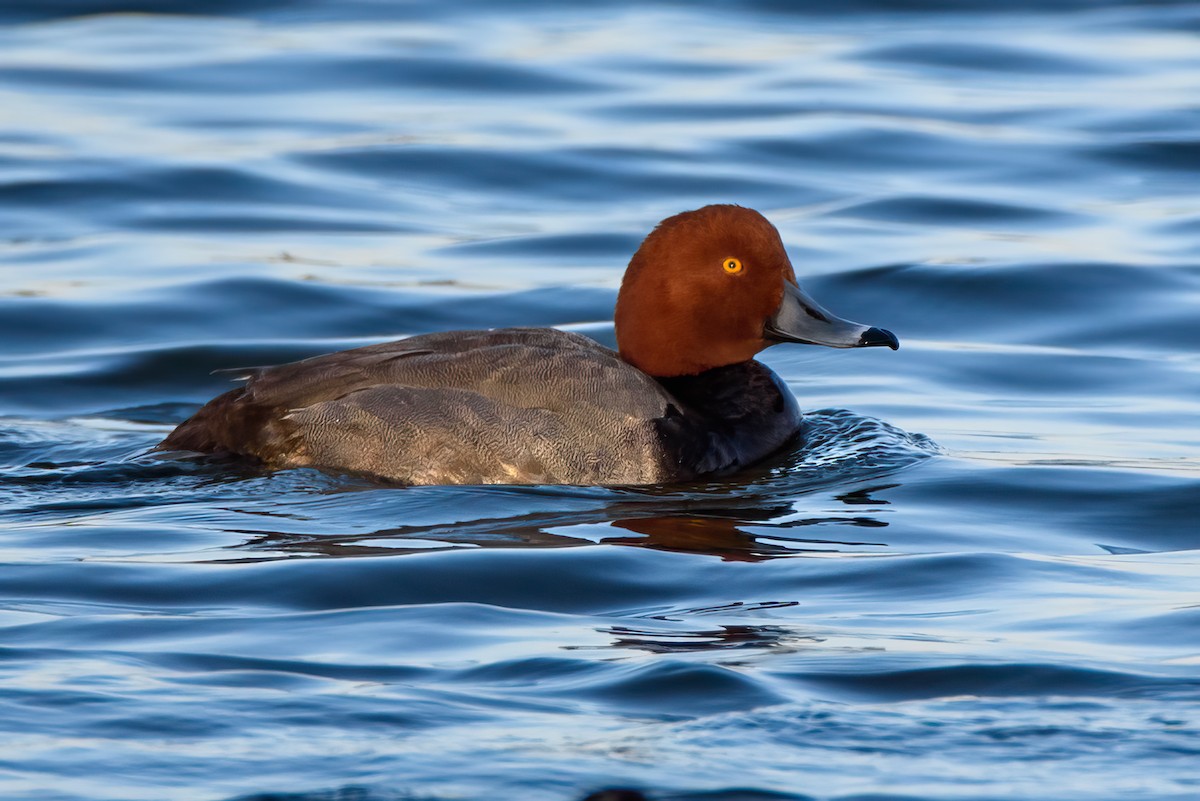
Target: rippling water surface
979,578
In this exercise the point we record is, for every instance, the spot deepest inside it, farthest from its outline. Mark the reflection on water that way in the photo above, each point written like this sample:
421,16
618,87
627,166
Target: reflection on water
723,537
1008,186
723,638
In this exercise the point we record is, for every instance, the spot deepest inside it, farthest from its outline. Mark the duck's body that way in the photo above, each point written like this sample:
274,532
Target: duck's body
683,398
509,406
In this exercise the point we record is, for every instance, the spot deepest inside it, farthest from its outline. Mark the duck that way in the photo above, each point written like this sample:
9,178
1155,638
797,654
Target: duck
680,399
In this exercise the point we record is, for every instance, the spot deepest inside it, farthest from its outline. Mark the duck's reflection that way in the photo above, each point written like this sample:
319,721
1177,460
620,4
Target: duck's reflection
744,538
737,529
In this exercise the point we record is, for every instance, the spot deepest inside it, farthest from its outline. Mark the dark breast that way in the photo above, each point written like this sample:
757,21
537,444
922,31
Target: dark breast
730,417
510,406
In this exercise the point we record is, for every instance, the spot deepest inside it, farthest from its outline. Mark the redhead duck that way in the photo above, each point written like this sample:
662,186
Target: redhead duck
682,397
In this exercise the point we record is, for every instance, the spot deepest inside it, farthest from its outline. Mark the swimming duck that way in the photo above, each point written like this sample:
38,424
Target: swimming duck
681,397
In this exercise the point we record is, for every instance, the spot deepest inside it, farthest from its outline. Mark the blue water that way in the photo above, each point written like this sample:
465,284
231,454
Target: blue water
979,578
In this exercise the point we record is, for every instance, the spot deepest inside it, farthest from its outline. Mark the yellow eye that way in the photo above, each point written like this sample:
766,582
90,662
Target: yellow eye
732,266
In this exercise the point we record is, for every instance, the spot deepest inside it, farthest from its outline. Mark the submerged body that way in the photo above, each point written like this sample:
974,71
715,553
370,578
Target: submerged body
682,398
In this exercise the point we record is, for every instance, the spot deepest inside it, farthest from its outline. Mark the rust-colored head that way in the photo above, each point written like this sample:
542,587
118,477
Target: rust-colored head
682,311
713,287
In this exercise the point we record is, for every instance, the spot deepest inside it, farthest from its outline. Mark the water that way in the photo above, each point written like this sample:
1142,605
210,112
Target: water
976,580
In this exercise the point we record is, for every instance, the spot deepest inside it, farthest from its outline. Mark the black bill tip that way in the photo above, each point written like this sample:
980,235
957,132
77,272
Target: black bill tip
878,336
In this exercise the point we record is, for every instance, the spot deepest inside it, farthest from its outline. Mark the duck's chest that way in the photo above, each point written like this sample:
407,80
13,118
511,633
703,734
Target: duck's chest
726,419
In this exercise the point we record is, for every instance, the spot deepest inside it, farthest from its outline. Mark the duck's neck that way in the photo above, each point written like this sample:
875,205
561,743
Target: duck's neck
744,411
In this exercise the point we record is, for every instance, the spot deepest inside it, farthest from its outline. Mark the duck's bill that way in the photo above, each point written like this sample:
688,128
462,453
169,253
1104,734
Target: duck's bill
802,319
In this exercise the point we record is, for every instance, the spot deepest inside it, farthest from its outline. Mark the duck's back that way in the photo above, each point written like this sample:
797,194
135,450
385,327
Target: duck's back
517,405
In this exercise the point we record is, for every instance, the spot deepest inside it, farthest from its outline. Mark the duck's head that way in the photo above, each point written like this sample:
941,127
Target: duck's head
713,287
